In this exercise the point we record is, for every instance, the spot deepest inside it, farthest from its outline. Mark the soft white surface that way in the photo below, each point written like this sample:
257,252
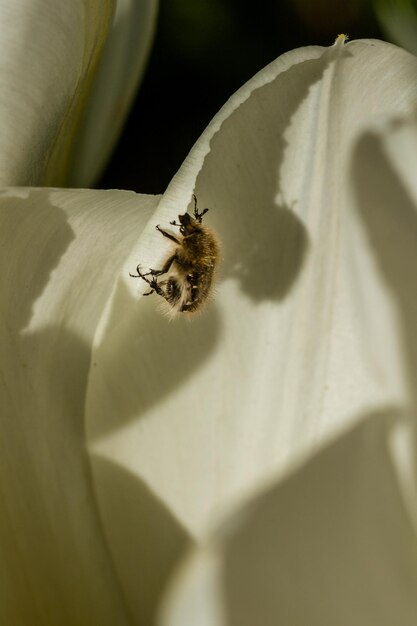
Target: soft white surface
59,259
304,336
118,74
48,50
330,544
311,332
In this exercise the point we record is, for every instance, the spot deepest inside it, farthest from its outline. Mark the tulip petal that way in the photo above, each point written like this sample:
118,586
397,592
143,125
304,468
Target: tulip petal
49,50
121,66
332,543
303,337
61,252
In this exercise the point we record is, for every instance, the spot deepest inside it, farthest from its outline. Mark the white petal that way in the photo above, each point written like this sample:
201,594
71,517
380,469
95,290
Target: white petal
49,49
61,251
303,336
120,68
330,544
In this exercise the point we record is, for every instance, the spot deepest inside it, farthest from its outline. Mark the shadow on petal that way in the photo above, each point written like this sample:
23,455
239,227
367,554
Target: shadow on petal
144,538
149,368
330,544
55,566
36,234
264,240
390,217
274,256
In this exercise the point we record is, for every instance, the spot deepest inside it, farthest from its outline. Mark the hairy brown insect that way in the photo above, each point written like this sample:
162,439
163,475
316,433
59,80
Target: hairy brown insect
188,271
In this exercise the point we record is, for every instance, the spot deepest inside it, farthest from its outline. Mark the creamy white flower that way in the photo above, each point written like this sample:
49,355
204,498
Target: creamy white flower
60,88
330,543
54,565
333,537
120,68
305,339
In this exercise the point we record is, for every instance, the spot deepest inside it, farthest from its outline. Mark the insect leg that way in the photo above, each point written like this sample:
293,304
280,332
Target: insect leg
155,287
168,235
139,273
164,269
153,283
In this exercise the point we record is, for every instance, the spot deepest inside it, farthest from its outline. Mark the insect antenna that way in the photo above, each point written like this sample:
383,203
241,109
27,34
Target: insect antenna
198,216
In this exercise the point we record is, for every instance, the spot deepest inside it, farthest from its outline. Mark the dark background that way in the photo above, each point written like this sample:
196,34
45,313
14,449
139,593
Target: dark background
203,51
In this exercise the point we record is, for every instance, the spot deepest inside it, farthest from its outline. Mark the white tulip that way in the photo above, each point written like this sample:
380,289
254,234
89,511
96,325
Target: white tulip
290,391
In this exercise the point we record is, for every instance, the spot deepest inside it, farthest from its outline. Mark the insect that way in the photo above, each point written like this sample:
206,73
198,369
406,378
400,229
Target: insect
188,272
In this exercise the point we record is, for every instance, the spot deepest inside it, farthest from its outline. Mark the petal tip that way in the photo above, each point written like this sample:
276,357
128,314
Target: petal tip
341,39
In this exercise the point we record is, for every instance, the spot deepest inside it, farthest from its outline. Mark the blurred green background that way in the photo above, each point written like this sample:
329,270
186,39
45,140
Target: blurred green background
204,50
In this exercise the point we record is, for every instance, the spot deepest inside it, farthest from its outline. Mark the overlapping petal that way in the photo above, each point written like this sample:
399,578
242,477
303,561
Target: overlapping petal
185,418
58,120
120,68
48,54
311,330
61,252
330,543
334,540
